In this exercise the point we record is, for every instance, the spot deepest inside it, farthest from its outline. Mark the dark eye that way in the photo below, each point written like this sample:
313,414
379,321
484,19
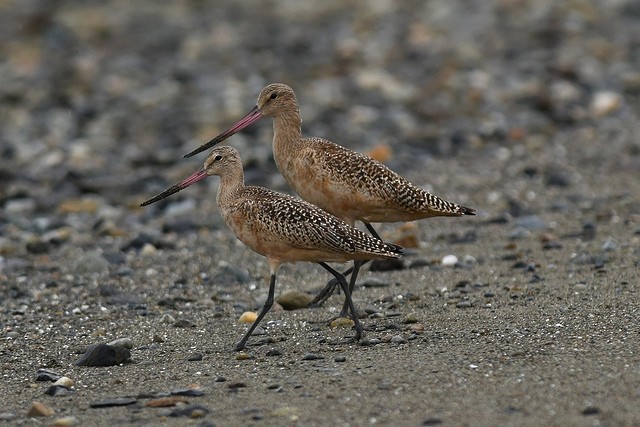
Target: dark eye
218,157
273,95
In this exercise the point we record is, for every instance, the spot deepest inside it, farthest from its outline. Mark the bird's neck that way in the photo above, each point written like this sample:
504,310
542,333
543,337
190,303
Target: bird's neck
287,133
231,187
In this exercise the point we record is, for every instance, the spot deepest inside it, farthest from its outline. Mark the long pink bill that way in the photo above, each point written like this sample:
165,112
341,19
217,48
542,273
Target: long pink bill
252,116
198,176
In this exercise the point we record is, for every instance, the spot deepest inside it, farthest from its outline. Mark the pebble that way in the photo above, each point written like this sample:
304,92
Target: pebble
58,390
191,411
273,352
312,356
45,375
7,416
367,342
189,391
464,304
340,359
122,342
195,357
411,318
39,409
373,282
165,402
449,260
294,300
398,339
91,262
67,421
341,322
116,401
591,410
248,317
104,355
610,245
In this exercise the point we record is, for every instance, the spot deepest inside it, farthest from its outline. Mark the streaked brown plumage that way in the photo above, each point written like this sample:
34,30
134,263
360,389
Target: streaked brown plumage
345,183
281,227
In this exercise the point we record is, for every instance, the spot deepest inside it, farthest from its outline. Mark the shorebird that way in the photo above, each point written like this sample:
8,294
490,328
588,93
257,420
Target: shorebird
343,182
283,228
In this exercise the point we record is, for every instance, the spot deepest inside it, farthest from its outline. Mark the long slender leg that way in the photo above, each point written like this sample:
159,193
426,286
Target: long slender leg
352,283
347,294
330,287
267,306
355,271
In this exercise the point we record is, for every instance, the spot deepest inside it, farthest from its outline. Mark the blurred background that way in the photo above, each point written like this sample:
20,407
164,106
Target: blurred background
487,103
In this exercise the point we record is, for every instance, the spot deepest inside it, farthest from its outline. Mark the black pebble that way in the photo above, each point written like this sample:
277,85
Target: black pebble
44,375
104,355
117,401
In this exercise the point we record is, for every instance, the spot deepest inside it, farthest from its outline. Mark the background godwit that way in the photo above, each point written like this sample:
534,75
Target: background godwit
283,228
345,183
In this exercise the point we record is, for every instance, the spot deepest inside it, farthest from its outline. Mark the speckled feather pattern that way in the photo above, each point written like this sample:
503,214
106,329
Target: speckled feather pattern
282,227
344,182
278,217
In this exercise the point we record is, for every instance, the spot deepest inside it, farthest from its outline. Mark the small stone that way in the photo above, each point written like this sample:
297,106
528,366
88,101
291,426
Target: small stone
38,246
273,352
38,409
390,264
104,355
166,402
411,318
342,322
237,384
294,300
367,342
243,356
67,421
191,411
45,375
7,416
340,359
248,317
58,390
373,282
609,245
464,304
449,260
591,410
312,356
122,342
167,319
398,339
604,103
371,309
195,357
65,382
148,250
117,401
190,392
432,422
291,412
91,262
183,323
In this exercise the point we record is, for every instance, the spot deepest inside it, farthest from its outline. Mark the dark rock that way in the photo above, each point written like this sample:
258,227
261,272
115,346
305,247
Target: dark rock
116,401
191,411
195,357
58,390
340,359
386,264
104,355
273,352
312,356
45,375
591,410
187,392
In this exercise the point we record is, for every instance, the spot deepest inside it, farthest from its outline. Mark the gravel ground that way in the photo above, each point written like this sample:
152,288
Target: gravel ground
525,110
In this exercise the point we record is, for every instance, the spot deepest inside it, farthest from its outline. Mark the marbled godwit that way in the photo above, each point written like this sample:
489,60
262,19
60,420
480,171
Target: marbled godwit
283,228
345,183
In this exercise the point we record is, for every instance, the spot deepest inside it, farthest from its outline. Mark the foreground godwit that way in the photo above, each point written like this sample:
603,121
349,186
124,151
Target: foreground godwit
347,184
283,228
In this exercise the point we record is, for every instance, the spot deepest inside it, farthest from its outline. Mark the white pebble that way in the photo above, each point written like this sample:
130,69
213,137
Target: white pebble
449,260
